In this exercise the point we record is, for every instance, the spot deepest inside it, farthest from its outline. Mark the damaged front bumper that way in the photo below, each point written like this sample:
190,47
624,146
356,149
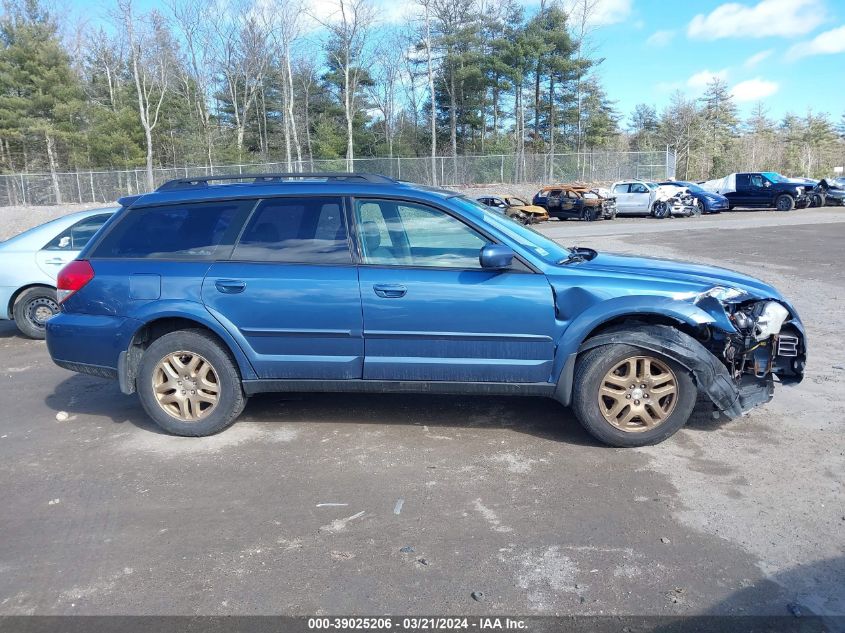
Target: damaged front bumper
734,387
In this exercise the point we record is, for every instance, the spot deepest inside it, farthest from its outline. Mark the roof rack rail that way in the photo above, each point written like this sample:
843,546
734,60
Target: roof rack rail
258,179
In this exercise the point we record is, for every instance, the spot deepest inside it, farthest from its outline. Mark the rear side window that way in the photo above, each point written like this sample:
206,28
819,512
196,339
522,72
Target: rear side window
296,231
77,236
196,231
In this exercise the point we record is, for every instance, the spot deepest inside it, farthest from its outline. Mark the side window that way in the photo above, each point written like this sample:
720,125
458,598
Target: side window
620,189
757,180
416,235
195,231
638,188
296,231
78,235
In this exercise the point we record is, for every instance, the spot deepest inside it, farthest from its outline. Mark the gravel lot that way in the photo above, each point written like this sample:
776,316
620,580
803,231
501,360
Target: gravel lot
407,504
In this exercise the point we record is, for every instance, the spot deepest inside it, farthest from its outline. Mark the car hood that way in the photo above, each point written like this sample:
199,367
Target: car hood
530,208
689,277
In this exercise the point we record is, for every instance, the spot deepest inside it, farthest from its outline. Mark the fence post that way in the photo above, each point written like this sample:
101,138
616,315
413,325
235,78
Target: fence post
399,167
91,179
23,191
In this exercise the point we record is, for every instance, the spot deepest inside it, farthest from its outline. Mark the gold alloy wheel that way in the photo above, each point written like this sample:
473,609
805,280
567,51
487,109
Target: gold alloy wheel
638,394
186,386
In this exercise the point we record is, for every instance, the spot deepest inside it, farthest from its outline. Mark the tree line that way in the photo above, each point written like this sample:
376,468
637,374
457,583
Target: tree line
203,84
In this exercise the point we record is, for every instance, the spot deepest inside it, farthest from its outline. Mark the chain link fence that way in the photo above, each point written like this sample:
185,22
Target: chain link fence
95,187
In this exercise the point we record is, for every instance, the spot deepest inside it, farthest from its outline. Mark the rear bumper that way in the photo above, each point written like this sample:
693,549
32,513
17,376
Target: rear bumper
89,343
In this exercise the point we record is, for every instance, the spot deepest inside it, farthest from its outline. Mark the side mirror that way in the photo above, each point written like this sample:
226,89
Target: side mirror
767,184
496,257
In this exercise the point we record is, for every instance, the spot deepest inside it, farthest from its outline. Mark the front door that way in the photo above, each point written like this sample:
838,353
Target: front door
431,313
290,294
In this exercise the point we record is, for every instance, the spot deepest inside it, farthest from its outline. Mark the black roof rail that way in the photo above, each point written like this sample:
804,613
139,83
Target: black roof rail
258,179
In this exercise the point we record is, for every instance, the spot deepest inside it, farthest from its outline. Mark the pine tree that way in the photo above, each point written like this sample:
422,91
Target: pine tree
40,96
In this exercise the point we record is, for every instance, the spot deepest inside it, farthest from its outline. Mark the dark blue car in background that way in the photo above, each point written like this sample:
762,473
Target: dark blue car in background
210,290
707,201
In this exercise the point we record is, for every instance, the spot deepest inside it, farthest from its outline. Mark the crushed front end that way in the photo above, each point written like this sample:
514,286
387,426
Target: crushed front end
759,341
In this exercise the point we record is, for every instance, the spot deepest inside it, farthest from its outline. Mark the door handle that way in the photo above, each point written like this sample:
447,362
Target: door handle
55,260
390,291
230,286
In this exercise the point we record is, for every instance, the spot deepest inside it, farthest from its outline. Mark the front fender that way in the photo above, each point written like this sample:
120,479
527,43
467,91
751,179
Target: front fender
574,335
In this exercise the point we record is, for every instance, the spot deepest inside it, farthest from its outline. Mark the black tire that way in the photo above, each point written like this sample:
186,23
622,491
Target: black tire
231,399
818,201
785,202
590,370
31,311
701,208
660,210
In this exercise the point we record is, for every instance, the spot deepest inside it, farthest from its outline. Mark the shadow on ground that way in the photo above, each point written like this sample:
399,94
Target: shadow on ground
541,417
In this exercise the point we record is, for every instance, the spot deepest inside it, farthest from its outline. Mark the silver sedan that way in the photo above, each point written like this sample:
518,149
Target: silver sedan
30,262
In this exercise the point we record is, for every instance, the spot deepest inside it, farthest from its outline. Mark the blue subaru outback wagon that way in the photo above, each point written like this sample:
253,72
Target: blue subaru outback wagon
209,290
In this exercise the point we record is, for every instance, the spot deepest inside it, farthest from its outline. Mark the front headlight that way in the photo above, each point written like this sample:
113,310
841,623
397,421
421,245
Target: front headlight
770,321
722,293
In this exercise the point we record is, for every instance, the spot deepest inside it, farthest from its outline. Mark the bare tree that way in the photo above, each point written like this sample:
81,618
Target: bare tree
192,18
427,43
284,19
308,78
349,28
385,86
242,56
149,63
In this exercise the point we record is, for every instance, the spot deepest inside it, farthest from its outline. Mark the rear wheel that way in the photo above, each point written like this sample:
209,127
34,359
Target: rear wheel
33,309
785,202
189,384
625,396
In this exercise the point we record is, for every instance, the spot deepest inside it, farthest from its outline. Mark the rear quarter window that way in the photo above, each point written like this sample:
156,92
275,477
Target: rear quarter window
194,231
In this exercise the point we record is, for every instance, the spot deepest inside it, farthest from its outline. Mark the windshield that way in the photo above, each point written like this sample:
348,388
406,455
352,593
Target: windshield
514,201
548,250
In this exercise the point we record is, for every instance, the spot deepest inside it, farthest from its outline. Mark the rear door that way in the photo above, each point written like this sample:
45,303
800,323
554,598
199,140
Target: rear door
290,293
623,198
744,195
66,246
431,313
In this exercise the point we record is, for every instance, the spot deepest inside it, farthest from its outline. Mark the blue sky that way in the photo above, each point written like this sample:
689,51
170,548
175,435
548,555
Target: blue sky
789,54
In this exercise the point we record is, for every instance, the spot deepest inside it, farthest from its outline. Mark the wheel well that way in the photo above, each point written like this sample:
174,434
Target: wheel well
14,299
647,319
153,330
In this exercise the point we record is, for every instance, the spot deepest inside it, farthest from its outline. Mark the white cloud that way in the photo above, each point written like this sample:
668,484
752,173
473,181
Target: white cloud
660,38
754,89
786,18
602,13
757,58
827,43
697,82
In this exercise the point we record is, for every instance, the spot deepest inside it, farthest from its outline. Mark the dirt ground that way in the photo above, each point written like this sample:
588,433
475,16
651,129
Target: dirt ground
373,504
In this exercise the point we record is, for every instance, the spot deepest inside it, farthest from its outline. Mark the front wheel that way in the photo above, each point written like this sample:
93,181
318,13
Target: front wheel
785,202
661,210
189,384
33,309
625,396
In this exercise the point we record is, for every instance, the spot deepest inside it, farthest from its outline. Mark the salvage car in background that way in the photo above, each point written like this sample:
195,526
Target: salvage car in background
760,190
576,200
30,262
707,201
515,208
641,197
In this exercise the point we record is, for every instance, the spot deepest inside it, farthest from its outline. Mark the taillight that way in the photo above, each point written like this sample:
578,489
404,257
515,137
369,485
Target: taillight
73,277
